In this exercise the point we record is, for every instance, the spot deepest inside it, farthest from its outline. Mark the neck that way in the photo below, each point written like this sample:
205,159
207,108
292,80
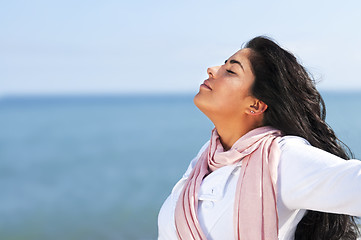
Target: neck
229,132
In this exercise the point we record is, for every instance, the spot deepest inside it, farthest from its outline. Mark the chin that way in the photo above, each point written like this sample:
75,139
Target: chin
201,103
197,100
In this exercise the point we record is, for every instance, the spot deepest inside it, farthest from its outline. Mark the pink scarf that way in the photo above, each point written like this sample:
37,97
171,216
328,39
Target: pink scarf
255,209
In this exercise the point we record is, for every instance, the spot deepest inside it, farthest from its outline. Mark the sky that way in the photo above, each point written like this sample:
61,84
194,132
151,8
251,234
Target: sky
112,47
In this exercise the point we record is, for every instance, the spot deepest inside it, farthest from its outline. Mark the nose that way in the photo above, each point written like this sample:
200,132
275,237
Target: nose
212,71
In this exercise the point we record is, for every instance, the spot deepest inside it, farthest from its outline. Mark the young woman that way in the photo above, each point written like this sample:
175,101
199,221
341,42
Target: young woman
273,168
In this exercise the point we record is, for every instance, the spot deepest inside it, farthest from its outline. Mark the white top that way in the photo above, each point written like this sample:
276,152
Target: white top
308,178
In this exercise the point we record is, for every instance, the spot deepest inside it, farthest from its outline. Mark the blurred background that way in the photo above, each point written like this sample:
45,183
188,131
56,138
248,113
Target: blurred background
97,121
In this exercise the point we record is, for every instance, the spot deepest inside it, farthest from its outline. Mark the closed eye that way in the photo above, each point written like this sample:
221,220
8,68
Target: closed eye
230,71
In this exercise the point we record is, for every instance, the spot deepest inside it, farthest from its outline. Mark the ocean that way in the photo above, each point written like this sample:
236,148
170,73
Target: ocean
100,167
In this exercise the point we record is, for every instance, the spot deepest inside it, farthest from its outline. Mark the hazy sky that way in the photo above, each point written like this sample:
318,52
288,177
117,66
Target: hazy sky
49,47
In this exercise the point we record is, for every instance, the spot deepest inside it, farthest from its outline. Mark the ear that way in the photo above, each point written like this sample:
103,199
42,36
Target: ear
257,108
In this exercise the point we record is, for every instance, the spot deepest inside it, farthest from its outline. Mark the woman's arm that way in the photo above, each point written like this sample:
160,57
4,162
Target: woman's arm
310,178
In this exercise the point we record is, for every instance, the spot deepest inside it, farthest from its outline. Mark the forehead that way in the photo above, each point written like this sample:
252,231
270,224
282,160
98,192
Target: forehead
242,54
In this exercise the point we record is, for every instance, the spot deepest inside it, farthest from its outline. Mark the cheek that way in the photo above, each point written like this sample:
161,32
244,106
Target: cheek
228,99
230,90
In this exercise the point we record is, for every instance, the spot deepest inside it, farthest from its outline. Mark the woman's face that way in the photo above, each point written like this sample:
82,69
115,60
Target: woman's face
227,91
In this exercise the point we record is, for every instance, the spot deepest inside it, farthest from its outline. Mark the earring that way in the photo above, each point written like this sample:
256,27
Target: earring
252,111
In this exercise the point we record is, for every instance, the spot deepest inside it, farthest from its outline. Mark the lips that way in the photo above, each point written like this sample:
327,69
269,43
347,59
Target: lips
206,84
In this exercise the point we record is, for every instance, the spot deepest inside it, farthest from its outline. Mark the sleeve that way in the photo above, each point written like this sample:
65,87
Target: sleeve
310,178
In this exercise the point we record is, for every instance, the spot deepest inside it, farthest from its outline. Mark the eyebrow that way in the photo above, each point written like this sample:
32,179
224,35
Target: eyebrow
235,61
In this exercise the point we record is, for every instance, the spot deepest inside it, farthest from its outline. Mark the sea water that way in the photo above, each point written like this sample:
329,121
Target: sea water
100,167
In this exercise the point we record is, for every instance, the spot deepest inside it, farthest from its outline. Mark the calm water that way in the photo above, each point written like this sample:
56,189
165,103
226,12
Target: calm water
100,167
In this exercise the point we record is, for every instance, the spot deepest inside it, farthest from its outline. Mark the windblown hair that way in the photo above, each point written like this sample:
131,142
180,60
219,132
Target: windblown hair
296,108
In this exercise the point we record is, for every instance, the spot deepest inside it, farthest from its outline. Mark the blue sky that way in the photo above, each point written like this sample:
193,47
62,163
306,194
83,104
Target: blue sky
87,47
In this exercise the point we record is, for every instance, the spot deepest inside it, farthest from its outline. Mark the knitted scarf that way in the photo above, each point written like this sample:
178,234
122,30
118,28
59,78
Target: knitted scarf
255,209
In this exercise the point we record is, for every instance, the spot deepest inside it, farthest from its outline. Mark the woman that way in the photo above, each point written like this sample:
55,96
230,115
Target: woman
273,168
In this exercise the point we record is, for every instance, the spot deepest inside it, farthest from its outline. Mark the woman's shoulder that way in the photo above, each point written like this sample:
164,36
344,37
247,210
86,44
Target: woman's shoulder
195,160
291,141
298,154
203,148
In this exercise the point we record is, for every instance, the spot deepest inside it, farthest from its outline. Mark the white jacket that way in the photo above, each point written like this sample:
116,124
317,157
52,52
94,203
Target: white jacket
308,178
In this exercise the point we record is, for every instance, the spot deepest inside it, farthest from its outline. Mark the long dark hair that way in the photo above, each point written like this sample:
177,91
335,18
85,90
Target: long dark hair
296,108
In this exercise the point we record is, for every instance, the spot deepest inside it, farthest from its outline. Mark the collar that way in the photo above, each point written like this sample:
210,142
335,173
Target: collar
214,185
